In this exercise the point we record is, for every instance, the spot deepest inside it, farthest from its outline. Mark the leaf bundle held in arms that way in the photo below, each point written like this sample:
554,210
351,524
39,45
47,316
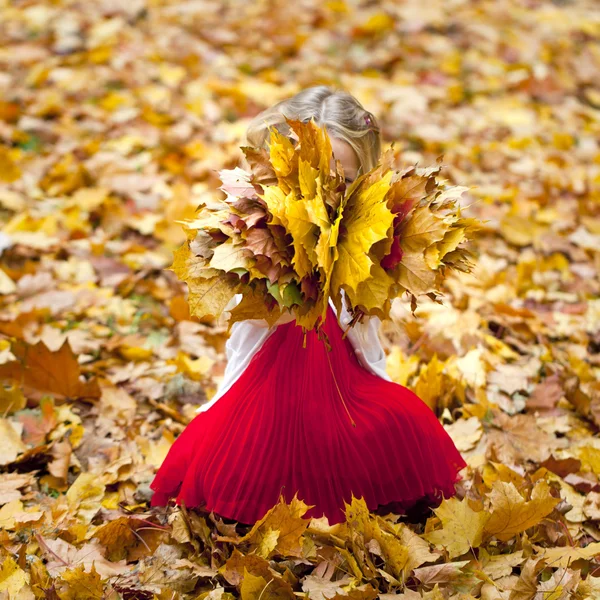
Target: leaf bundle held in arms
291,233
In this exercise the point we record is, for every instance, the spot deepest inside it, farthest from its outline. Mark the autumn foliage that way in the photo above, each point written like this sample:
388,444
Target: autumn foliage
291,234
115,121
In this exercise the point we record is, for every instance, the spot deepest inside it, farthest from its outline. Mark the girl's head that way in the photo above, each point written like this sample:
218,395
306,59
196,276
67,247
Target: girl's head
354,132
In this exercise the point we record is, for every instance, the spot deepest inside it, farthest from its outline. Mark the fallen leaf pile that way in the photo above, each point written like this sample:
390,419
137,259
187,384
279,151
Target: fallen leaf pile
115,119
291,234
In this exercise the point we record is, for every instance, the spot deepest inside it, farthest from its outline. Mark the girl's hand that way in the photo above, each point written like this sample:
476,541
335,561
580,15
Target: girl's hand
286,317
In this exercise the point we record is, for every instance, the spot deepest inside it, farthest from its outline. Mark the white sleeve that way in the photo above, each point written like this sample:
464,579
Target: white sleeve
364,337
245,340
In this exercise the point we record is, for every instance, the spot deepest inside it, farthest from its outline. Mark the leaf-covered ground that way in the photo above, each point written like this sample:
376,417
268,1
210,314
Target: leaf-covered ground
115,117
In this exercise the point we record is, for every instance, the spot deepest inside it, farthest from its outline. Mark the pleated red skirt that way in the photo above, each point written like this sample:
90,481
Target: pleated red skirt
282,428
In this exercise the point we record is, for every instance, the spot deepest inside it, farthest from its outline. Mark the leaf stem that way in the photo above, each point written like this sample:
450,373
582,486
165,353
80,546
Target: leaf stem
327,350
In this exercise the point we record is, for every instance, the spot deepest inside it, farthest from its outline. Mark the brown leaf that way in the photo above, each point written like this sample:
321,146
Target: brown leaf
61,460
546,395
41,370
562,466
11,484
444,574
519,438
526,586
39,422
117,536
62,556
233,569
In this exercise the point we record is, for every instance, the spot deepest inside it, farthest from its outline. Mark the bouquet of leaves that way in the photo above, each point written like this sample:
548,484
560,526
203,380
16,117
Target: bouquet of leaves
291,233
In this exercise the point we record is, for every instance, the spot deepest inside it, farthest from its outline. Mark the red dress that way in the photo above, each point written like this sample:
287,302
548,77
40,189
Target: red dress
283,428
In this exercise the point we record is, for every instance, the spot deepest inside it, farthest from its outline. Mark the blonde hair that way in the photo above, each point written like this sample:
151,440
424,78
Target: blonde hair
342,115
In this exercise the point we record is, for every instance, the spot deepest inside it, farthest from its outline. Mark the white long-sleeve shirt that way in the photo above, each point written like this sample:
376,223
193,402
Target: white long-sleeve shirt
248,336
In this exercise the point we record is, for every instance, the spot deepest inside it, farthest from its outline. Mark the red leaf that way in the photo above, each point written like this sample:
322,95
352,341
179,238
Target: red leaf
394,257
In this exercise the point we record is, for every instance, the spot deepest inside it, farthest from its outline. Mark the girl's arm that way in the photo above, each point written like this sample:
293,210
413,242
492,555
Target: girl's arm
364,337
245,340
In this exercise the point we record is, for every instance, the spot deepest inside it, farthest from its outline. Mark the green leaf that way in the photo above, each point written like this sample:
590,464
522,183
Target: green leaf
291,295
274,291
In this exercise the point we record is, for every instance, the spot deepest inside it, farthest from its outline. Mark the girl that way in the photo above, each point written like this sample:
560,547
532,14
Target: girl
321,424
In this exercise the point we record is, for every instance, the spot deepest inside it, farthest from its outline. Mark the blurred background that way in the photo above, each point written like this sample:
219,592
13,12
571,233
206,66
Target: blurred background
115,118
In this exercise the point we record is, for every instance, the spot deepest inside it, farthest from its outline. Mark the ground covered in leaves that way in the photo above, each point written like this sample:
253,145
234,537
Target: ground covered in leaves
115,117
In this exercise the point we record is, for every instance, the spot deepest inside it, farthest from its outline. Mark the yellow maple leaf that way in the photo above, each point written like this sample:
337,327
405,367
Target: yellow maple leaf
9,171
187,266
422,230
419,551
366,527
401,367
304,234
590,456
252,306
308,177
462,527
82,585
561,556
511,514
314,145
229,256
450,241
195,369
366,220
9,513
280,531
11,398
432,383
282,153
210,296
256,587
373,294
276,199
12,577
85,494
414,273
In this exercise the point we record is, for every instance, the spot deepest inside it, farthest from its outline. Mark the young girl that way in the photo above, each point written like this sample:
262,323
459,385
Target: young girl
321,424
